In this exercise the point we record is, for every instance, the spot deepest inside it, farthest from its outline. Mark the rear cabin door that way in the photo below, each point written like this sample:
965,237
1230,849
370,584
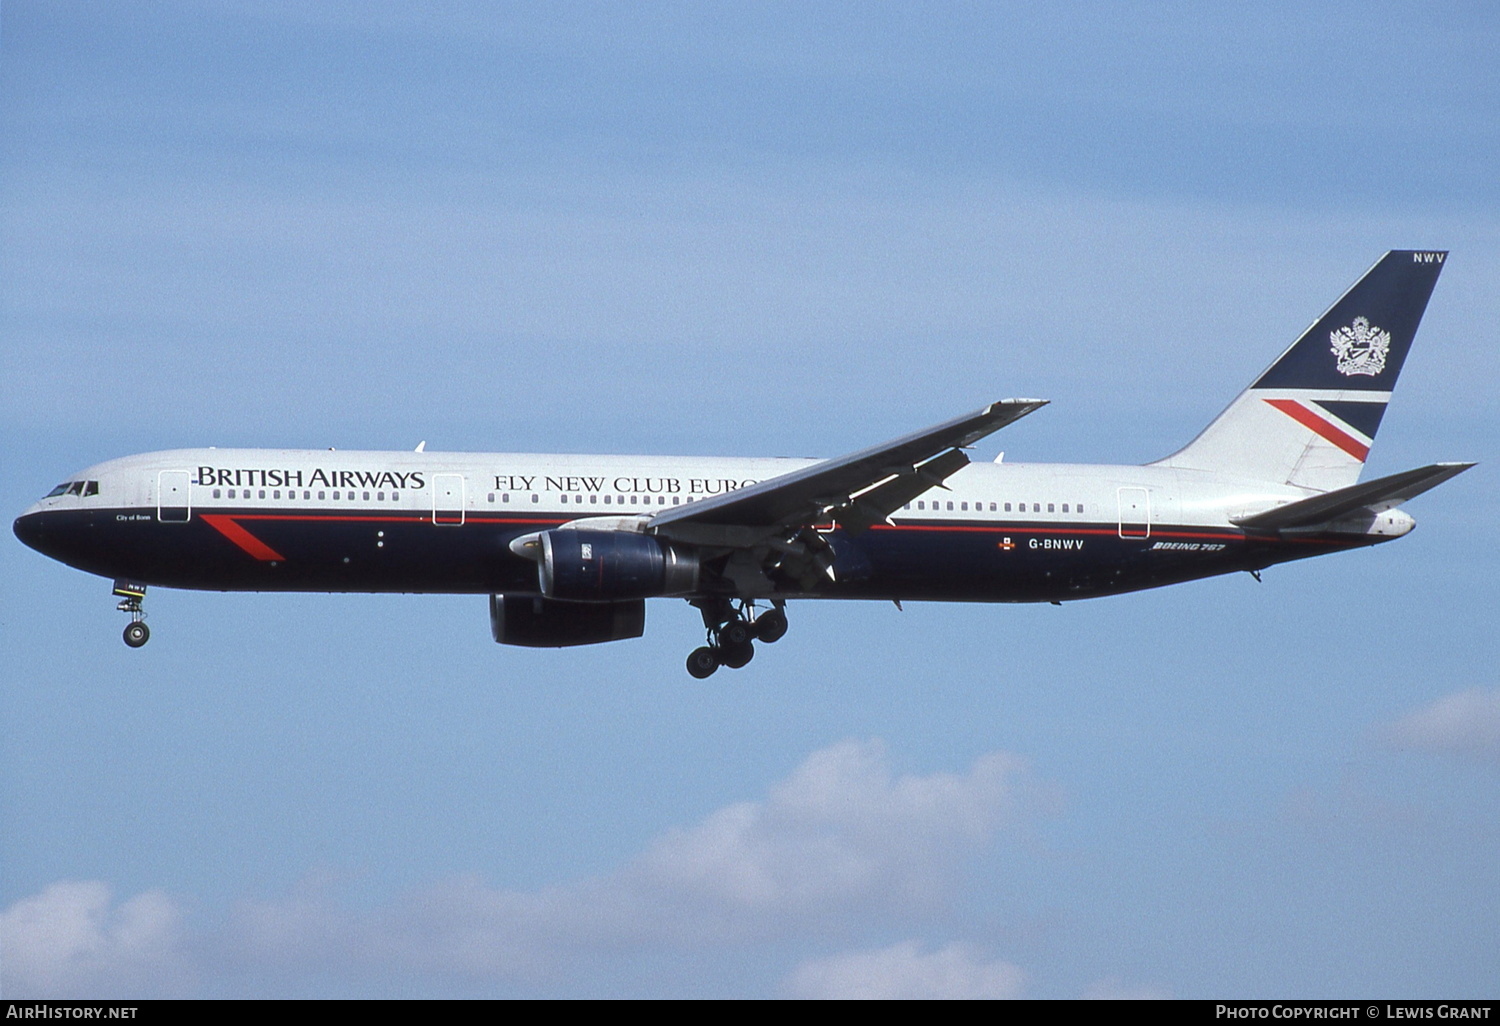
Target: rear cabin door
1135,512
447,499
173,504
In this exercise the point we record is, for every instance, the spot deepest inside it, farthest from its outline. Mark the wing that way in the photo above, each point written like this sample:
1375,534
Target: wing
856,491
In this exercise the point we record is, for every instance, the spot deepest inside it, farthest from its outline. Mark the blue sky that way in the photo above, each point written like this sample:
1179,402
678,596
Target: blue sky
746,230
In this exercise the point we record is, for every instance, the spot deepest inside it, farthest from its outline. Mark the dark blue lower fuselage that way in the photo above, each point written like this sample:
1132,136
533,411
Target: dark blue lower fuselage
404,551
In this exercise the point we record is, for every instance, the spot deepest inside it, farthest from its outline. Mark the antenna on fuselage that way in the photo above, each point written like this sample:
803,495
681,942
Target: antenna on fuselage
421,446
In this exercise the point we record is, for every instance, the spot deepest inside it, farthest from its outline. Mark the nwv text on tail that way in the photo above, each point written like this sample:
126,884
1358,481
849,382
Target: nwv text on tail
569,547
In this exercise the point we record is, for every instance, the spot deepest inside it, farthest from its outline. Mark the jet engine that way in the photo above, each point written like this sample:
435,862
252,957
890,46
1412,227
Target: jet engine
535,622
612,566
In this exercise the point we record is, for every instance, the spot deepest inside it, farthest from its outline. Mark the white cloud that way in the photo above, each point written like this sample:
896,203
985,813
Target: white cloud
72,941
1466,723
957,971
841,840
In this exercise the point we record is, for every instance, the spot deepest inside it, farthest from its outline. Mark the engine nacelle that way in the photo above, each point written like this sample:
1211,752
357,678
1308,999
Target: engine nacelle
611,566
535,622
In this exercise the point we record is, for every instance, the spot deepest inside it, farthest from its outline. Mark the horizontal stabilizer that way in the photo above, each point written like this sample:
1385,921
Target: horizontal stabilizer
1372,496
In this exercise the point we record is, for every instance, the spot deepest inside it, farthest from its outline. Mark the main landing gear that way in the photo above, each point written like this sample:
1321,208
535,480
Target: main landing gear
733,630
131,594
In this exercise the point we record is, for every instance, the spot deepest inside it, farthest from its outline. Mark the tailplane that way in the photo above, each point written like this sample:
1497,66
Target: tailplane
1310,419
1368,500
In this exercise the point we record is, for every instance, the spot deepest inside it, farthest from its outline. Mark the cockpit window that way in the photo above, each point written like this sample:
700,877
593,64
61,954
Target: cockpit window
83,488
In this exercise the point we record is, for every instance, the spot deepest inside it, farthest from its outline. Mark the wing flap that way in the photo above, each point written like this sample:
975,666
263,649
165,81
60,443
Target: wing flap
877,503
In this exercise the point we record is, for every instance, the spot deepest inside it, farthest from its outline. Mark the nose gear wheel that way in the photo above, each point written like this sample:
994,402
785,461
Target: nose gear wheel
131,594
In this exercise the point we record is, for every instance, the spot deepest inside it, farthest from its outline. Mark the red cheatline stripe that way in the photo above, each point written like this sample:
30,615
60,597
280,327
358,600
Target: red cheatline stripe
1031,528
420,518
241,537
1318,426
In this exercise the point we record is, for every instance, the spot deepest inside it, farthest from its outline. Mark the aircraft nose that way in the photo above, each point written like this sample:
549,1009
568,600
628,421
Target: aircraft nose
28,527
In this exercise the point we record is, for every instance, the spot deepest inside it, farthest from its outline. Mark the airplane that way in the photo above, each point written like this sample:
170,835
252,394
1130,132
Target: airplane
569,547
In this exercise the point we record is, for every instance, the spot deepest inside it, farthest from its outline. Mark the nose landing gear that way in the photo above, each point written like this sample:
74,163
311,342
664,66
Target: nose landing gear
131,594
732,633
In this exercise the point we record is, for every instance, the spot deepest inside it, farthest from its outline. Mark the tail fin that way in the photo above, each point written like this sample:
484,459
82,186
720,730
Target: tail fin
1310,419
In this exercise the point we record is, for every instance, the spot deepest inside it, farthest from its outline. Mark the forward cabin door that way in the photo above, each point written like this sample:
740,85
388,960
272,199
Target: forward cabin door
1135,512
447,499
173,502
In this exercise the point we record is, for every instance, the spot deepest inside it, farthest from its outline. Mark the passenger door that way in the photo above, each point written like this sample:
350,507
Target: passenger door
173,499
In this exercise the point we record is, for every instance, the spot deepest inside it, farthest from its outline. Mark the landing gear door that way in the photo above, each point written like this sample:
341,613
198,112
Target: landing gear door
448,499
173,505
1135,512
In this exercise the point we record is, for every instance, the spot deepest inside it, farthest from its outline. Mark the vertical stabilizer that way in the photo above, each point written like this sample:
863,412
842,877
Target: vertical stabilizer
1310,419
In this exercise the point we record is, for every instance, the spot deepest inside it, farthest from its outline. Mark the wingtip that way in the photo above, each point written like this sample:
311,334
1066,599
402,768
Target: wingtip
1031,404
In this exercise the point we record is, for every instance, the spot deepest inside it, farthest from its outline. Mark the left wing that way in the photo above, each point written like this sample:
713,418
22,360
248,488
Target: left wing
856,491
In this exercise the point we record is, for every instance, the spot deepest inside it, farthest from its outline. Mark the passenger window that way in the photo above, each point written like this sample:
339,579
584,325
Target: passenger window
505,497
395,496
907,506
950,504
606,500
276,494
1007,507
366,497
676,501
1065,507
380,497
535,497
635,500
564,498
619,500
491,497
1051,507
921,504
216,493
593,500
321,496
1036,507
964,506
335,496
262,493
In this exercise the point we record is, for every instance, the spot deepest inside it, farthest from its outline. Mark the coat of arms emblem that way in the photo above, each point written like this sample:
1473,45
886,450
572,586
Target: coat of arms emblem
1360,348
